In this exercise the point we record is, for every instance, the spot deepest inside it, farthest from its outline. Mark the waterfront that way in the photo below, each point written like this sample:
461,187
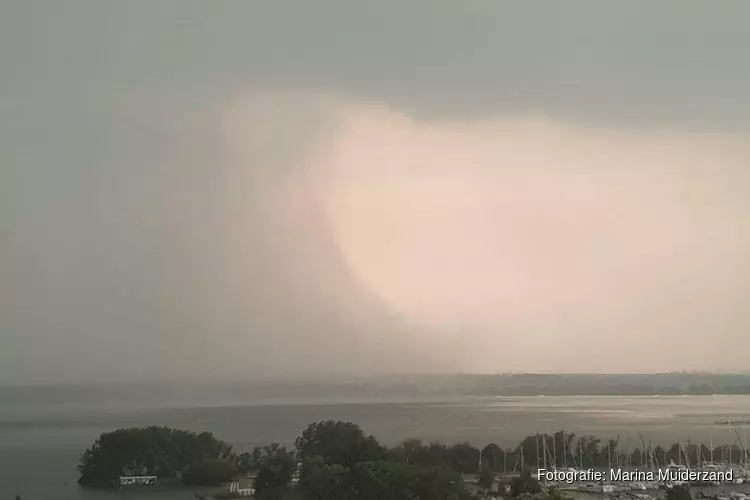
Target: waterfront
40,442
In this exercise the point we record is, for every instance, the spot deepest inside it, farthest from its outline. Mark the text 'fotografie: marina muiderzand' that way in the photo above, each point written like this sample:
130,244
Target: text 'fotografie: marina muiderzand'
615,475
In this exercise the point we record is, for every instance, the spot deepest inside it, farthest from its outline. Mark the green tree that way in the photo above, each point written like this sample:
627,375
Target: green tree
588,446
245,463
275,467
380,480
209,472
486,478
338,443
530,449
341,462
493,457
412,449
674,453
464,458
158,451
435,483
611,450
320,480
435,455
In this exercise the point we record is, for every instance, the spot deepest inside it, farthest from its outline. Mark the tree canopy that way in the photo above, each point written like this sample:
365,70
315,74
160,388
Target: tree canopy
486,479
338,443
274,469
340,461
209,472
153,451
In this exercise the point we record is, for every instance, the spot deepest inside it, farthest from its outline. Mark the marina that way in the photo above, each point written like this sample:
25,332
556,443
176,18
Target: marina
643,472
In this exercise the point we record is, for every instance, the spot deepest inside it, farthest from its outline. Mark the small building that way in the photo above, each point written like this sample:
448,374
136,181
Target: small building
235,488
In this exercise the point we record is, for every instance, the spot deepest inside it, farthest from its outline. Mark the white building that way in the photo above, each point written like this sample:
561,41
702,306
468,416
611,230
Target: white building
234,487
137,480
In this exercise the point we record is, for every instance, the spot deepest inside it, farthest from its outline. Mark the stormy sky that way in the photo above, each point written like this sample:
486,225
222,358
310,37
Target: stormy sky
237,189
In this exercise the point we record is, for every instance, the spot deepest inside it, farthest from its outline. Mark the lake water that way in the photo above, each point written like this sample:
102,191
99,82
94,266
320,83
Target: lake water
40,442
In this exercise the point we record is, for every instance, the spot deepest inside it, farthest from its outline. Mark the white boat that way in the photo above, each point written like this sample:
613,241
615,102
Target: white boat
676,467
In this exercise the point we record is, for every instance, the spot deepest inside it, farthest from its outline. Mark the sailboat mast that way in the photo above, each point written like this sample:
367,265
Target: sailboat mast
617,452
731,446
554,451
537,451
580,453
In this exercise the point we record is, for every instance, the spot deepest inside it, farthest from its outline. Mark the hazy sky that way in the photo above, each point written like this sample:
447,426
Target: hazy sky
230,189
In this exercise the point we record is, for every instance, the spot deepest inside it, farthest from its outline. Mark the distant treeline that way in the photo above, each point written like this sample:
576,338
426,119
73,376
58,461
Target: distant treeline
511,385
414,386
393,386
605,385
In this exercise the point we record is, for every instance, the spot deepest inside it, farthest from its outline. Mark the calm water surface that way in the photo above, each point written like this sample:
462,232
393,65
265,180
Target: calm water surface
40,442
